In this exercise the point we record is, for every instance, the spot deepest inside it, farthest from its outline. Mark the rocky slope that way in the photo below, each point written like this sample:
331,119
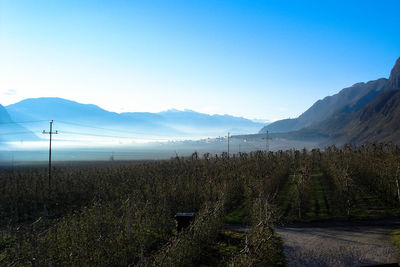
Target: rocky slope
379,121
345,102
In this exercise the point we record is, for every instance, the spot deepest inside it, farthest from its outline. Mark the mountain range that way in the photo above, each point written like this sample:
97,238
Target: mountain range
379,121
90,119
11,131
364,112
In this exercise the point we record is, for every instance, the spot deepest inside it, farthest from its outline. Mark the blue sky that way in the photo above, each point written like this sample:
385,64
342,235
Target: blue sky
257,59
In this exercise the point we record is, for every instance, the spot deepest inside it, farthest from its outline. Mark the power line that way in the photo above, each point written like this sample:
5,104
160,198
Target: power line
12,133
86,134
99,135
73,123
118,136
87,126
22,122
100,128
95,127
253,145
110,136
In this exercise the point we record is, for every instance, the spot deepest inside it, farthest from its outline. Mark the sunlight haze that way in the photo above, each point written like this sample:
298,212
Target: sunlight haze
269,60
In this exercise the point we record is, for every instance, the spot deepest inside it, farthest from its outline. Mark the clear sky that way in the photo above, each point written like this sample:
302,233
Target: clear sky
257,59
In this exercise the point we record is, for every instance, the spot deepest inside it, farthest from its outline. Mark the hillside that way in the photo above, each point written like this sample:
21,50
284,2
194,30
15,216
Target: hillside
11,131
364,112
4,116
345,102
379,121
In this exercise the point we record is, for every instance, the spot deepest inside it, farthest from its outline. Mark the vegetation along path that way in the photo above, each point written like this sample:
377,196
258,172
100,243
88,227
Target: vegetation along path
340,243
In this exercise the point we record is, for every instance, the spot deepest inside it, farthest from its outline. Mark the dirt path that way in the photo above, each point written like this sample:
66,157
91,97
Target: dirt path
339,244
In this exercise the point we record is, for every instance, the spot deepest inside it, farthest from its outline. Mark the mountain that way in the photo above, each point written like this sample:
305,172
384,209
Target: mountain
364,112
379,121
191,121
394,79
4,116
91,119
345,102
11,131
47,108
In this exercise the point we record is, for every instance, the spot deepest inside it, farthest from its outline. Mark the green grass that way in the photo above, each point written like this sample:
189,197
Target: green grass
238,216
319,210
286,200
395,236
280,256
369,206
319,193
317,206
6,241
220,254
321,204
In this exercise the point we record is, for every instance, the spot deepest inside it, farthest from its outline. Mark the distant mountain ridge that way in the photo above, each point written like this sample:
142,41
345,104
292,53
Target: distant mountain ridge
364,112
379,121
4,116
168,123
11,131
346,101
394,79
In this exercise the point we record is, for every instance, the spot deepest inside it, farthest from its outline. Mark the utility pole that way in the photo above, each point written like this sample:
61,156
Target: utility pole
51,134
12,161
228,144
267,142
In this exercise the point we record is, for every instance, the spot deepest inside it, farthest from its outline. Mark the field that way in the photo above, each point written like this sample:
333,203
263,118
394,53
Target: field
121,213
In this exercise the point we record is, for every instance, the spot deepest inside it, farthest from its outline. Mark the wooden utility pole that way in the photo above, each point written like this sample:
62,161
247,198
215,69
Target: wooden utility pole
267,142
51,134
228,144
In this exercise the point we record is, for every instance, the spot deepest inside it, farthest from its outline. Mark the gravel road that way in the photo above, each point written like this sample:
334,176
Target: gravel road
339,244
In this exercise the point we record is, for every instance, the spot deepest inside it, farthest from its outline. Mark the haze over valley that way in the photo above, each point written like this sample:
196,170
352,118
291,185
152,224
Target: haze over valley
363,113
